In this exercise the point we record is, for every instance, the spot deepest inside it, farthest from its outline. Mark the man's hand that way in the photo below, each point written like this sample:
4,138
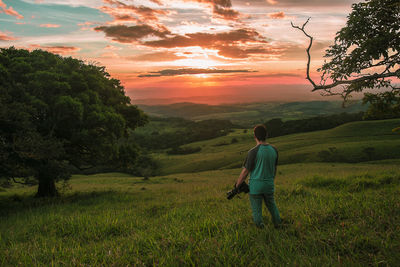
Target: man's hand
242,177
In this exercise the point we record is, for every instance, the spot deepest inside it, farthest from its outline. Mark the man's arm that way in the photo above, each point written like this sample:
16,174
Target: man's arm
242,176
276,160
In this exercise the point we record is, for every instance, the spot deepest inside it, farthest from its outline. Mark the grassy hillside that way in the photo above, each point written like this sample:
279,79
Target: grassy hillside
338,214
248,114
351,142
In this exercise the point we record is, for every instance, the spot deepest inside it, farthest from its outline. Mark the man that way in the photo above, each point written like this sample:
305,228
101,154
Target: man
261,162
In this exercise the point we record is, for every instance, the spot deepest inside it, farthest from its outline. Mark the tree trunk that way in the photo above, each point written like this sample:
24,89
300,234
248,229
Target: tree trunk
47,188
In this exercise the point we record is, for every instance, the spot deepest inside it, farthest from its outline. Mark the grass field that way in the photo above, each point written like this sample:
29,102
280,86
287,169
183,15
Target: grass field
337,213
351,143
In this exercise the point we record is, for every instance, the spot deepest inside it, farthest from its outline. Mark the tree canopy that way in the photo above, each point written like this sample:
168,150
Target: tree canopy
365,55
58,112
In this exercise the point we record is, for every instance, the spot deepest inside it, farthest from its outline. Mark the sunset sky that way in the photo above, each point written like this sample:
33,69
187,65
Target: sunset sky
208,51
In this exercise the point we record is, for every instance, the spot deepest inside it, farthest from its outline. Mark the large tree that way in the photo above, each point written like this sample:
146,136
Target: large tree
365,55
59,113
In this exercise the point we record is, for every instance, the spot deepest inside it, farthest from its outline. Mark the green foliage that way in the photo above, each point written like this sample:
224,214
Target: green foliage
250,114
365,55
277,127
56,112
163,133
369,39
346,214
384,105
183,150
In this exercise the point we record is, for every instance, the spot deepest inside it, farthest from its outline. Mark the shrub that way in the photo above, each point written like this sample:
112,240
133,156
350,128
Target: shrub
183,150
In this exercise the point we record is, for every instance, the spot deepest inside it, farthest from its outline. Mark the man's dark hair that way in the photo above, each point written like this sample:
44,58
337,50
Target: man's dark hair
260,132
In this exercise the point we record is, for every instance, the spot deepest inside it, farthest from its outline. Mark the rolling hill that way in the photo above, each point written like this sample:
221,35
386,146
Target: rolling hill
350,143
337,213
247,114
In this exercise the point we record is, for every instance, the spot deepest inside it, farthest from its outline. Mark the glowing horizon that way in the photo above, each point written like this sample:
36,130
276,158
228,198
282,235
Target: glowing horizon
184,49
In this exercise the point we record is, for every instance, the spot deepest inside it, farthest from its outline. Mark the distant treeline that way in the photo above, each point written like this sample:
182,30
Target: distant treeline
277,127
179,131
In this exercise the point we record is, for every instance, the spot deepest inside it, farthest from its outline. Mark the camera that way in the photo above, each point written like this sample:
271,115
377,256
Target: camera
243,187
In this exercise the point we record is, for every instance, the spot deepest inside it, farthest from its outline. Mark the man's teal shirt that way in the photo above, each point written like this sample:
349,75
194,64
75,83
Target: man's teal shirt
261,162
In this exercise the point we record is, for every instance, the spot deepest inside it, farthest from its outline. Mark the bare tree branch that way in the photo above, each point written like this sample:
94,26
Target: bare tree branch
308,49
327,87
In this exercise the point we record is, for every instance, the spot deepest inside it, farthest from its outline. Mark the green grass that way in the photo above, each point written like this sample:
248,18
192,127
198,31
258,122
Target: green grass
339,214
343,212
351,142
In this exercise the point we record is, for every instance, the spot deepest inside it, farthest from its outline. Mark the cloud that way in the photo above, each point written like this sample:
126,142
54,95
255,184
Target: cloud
124,18
209,40
145,13
220,8
277,75
121,9
172,72
157,57
229,44
62,50
5,36
237,52
112,48
296,3
158,2
50,25
86,23
302,3
277,15
221,3
130,34
226,13
9,11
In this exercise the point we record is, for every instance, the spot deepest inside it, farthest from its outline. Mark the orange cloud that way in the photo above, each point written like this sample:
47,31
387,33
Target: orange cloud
111,47
9,11
145,13
226,13
129,34
229,44
272,2
221,8
208,39
222,3
277,15
172,72
87,23
124,10
158,2
50,25
4,36
124,18
62,50
157,57
237,52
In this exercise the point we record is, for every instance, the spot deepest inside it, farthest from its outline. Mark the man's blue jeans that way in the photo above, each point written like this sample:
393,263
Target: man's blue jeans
256,206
